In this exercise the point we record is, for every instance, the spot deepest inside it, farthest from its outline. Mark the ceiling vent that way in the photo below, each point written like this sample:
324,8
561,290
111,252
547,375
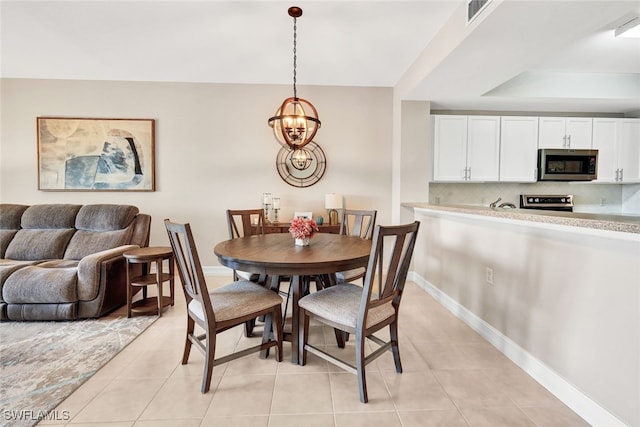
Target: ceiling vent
474,7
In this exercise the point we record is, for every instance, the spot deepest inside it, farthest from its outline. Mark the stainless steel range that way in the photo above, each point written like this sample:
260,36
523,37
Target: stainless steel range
549,202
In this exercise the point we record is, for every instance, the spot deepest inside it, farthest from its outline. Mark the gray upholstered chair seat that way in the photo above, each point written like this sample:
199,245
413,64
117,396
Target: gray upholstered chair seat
340,305
350,275
235,300
245,275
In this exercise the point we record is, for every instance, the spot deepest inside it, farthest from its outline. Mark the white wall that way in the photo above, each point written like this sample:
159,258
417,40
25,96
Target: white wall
214,149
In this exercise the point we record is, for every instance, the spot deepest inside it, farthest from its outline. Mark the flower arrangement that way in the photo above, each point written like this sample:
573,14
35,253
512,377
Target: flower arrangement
303,227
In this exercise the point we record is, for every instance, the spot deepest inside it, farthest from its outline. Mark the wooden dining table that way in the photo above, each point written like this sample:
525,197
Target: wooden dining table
275,255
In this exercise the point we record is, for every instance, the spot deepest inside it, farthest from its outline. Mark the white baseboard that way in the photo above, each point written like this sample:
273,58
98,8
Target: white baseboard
580,403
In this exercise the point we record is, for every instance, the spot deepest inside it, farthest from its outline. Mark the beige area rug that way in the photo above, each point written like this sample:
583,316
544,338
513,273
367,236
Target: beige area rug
41,363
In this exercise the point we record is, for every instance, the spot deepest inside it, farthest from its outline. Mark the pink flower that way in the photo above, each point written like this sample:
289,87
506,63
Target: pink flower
303,227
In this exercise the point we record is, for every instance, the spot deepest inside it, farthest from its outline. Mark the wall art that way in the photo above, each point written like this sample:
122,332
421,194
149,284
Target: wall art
85,154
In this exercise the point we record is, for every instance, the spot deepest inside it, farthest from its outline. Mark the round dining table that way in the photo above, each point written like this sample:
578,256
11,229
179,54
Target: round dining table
276,255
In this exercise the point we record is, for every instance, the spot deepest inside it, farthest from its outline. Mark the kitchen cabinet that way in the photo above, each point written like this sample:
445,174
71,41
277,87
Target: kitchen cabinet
518,149
565,132
466,148
618,144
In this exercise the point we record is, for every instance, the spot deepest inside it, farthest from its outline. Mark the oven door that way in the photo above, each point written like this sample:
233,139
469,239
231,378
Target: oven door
567,165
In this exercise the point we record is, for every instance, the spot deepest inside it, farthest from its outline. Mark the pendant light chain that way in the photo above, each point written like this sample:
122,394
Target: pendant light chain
295,93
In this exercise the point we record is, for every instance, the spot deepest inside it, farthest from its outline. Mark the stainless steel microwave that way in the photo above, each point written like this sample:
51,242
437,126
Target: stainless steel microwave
567,165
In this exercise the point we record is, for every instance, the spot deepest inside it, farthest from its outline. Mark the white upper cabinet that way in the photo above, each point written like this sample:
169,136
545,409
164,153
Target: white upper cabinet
483,148
618,145
629,153
466,148
450,148
565,132
518,149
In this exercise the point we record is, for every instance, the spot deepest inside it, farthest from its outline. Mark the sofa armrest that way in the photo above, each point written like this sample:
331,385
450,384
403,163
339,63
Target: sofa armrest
91,266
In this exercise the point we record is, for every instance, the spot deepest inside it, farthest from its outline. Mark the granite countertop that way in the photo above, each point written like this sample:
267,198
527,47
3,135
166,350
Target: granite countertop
609,222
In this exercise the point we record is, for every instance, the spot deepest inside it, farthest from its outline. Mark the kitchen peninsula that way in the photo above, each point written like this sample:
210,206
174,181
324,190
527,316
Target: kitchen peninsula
557,292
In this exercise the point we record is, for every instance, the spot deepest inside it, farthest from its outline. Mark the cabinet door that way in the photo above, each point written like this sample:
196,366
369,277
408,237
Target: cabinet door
565,132
629,152
519,149
450,148
605,140
552,133
579,132
483,148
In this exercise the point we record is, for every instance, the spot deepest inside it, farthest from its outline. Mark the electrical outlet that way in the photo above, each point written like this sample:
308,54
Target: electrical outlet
489,275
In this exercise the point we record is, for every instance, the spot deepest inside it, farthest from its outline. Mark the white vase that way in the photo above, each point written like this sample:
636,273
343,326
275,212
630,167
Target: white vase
302,242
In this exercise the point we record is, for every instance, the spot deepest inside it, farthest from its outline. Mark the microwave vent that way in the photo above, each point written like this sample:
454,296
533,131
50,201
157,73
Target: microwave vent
474,7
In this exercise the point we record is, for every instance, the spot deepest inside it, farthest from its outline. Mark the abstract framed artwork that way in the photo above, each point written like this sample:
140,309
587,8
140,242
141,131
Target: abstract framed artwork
86,154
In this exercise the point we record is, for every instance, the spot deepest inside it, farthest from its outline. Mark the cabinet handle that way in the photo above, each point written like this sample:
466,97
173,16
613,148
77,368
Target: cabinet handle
621,174
564,141
568,141
617,175
469,176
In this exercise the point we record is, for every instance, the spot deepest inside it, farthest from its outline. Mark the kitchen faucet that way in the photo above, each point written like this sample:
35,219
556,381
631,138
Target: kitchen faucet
493,205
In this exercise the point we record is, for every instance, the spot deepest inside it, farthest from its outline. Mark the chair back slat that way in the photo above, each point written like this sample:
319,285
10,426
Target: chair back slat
387,273
240,222
358,223
185,253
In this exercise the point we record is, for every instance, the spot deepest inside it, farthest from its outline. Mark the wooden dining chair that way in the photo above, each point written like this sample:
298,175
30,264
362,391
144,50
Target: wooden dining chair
358,223
246,222
364,310
222,308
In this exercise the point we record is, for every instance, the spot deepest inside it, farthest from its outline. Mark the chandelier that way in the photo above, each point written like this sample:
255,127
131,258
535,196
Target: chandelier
296,121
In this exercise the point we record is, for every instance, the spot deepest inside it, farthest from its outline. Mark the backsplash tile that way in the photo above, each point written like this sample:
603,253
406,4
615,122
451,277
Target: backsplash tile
587,197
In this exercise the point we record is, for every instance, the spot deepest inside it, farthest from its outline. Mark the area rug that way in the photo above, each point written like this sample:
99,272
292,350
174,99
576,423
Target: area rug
41,363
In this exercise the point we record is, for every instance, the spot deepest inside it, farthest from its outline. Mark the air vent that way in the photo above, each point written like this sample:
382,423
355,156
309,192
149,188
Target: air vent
474,7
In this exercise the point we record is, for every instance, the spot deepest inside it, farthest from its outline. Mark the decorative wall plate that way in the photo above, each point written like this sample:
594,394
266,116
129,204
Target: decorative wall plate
311,171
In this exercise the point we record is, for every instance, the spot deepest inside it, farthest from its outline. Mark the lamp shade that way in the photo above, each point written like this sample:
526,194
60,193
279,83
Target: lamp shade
333,201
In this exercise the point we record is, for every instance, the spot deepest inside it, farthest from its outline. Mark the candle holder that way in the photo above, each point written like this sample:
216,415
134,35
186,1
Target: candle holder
266,203
276,208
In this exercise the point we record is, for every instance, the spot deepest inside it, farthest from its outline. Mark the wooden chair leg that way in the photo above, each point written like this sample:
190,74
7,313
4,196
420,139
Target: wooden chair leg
208,363
187,343
303,337
248,328
277,331
362,379
393,334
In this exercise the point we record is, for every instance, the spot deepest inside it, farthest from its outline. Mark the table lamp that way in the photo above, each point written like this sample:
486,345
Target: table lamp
332,202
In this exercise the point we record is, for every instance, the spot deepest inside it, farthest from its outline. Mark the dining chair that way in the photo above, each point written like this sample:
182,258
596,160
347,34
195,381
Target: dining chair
358,223
245,222
364,310
222,308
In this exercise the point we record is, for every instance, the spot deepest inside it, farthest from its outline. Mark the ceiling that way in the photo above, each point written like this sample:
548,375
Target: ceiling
523,55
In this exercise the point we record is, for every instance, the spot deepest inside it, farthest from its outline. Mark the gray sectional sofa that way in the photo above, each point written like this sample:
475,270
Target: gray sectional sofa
64,261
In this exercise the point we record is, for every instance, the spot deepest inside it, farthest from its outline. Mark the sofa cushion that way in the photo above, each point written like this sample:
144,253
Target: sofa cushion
39,244
105,217
10,216
50,216
85,243
8,267
35,284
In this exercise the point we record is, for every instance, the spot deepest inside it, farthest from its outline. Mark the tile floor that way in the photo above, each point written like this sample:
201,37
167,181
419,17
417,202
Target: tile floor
452,377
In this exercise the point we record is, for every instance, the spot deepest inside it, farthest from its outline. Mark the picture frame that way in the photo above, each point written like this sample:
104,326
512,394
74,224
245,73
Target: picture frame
95,154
